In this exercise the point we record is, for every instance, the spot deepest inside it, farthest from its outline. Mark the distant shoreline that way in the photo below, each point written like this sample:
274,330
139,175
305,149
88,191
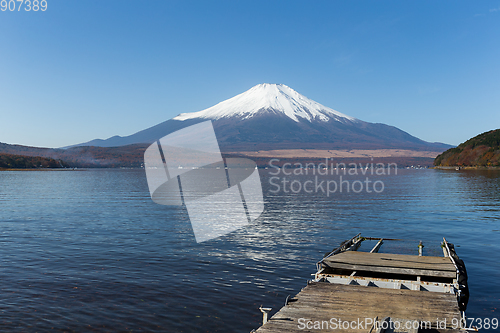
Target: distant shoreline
337,153
42,169
466,167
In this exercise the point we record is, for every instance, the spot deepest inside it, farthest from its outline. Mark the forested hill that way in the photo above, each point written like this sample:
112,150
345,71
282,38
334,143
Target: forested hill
83,157
481,151
9,161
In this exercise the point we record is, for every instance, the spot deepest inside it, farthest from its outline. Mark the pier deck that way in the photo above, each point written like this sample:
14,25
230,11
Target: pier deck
322,301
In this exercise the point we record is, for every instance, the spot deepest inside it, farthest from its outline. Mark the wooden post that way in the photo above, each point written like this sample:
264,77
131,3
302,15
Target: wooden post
420,248
264,311
377,247
445,252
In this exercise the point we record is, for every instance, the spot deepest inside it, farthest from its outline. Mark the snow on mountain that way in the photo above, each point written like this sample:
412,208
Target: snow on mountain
276,97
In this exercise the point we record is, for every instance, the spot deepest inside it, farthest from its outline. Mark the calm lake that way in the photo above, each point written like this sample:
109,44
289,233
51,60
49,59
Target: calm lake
90,251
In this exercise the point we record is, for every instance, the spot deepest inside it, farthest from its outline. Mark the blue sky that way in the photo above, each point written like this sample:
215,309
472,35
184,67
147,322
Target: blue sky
93,69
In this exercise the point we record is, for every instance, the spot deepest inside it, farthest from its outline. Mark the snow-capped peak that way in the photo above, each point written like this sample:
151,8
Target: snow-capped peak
278,97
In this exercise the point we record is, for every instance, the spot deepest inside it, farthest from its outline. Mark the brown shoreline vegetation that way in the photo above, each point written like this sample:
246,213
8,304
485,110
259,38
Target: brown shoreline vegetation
20,162
482,151
43,169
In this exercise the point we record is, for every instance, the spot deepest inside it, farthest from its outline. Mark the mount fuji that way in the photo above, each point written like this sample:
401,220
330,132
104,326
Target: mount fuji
274,116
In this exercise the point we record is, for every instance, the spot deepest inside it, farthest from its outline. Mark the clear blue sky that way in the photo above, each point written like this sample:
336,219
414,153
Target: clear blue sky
93,69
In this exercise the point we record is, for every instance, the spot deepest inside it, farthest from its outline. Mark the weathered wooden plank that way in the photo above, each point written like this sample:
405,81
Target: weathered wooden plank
396,270
394,260
393,263
320,302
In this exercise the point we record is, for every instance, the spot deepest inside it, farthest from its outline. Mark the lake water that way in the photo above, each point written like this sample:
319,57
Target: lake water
89,250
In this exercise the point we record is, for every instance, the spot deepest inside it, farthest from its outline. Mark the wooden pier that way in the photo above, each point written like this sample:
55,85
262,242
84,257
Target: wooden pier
356,291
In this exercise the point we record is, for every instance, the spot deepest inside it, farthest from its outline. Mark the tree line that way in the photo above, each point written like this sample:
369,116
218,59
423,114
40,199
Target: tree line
9,161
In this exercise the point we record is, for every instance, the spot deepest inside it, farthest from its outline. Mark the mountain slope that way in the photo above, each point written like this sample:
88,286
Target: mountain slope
481,150
270,116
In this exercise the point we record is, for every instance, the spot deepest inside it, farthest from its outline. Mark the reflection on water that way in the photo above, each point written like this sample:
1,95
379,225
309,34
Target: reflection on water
90,251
